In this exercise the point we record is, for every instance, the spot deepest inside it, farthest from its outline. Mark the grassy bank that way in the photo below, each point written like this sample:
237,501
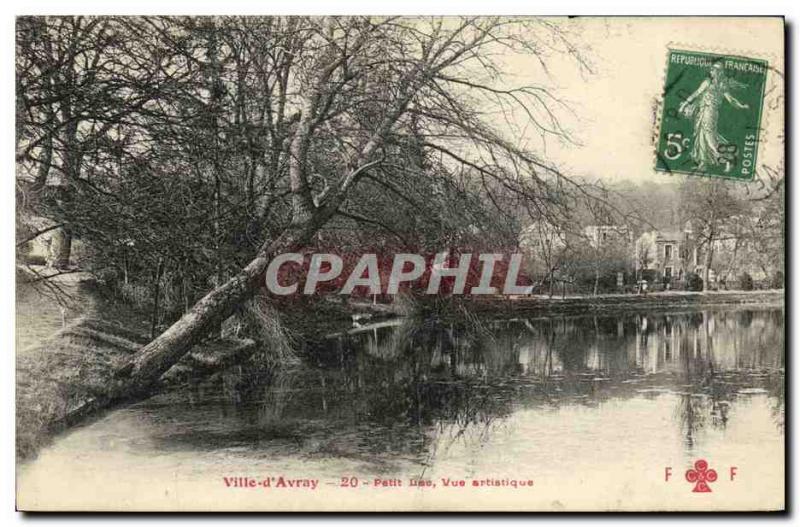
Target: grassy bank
66,366
62,365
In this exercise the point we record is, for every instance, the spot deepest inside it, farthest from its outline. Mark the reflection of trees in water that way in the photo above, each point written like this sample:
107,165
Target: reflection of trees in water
421,372
691,414
721,353
408,385
709,395
434,368
778,398
271,388
732,340
277,396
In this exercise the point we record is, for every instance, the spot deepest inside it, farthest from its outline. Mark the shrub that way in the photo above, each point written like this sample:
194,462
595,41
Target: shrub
651,275
777,280
608,283
745,282
694,282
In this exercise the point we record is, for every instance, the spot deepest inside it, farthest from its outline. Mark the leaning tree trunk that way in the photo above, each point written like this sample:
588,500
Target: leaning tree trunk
158,356
166,349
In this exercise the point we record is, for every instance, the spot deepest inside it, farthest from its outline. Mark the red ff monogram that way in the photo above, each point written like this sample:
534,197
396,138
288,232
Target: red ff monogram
701,476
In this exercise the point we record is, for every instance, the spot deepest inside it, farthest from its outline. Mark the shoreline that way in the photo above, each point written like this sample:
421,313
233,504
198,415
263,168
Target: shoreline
542,307
628,302
576,305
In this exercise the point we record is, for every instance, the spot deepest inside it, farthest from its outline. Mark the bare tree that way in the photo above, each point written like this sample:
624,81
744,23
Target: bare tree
288,119
710,205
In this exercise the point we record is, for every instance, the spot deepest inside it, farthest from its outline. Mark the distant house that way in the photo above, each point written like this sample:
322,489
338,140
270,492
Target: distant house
671,253
601,235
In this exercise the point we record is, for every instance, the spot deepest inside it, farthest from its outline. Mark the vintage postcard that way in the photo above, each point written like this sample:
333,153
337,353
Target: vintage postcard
369,263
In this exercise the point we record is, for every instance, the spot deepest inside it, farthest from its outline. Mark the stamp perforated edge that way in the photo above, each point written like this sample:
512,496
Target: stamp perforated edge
772,71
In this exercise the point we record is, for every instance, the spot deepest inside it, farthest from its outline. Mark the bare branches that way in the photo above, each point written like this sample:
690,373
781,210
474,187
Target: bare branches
197,141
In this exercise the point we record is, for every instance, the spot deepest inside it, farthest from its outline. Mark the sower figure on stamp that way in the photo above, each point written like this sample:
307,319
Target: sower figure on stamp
709,96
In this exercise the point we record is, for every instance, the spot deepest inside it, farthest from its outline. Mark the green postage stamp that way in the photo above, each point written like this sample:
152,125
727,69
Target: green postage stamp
711,115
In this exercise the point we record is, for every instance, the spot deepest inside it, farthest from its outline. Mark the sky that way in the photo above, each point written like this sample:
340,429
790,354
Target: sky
614,104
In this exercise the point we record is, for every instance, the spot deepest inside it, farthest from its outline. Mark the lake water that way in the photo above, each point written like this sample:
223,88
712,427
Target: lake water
588,409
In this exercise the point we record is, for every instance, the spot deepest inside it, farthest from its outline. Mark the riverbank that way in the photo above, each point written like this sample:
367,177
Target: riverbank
582,305
329,315
540,305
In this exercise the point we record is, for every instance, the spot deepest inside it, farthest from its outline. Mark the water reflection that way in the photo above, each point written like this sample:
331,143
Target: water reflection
409,387
598,405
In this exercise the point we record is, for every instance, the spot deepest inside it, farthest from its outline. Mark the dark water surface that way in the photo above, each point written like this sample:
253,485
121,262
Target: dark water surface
561,401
